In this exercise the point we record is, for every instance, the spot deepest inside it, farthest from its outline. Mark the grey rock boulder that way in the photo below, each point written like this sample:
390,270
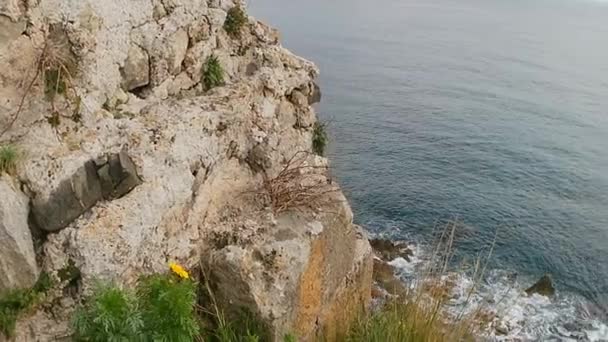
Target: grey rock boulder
543,287
136,71
315,95
69,200
112,178
18,267
118,176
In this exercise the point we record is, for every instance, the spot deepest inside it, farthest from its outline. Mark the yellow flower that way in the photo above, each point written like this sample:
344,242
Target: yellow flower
179,270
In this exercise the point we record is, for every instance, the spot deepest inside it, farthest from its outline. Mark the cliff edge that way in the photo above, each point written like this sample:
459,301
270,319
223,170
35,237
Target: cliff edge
150,131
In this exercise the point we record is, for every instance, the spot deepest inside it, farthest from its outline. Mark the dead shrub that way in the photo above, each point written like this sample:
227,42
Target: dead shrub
56,65
299,185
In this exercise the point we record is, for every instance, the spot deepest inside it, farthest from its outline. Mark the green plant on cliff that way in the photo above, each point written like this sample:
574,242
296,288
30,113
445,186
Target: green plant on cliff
111,314
319,138
235,20
14,302
9,156
167,308
162,308
213,74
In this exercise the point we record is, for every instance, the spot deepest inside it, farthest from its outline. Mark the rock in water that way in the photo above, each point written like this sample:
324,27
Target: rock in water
544,287
17,259
389,250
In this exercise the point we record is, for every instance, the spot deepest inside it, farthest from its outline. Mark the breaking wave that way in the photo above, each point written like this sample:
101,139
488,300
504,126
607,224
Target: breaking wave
516,316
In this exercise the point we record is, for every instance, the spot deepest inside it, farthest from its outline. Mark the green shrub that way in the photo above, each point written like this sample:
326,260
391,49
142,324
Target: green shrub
235,20
213,74
110,315
161,309
319,138
14,302
8,159
167,308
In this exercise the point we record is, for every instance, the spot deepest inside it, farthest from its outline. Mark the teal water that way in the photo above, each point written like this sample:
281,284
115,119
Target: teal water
494,112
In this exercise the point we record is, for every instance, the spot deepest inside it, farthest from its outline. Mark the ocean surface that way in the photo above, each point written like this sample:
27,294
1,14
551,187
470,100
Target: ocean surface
490,112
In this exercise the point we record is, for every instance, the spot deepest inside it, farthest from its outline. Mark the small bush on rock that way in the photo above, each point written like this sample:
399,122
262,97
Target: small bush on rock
319,138
8,159
213,74
167,308
14,302
235,20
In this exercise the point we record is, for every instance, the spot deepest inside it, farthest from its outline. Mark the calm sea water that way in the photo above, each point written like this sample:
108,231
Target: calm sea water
494,112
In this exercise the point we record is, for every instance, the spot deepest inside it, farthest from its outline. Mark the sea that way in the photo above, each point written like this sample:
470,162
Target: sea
489,113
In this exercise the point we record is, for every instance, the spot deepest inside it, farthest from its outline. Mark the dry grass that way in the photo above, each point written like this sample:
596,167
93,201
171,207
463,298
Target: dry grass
57,65
298,185
420,314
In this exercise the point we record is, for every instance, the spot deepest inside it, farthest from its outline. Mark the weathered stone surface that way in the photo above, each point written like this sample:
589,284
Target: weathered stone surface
177,46
18,267
289,272
543,287
136,72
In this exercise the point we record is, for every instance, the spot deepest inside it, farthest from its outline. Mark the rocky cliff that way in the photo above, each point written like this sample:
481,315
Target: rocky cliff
129,161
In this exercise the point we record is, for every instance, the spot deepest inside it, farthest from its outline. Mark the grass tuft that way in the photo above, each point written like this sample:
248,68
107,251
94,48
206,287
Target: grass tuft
213,73
235,20
9,156
319,138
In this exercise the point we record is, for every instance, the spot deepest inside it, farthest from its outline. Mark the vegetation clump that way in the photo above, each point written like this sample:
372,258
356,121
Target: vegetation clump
319,138
235,20
213,74
110,315
162,308
9,156
14,302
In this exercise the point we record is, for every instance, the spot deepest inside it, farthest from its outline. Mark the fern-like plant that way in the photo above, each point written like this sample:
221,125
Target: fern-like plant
235,20
167,308
111,314
213,74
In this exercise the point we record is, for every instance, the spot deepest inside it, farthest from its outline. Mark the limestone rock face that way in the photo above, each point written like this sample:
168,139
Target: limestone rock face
17,259
136,164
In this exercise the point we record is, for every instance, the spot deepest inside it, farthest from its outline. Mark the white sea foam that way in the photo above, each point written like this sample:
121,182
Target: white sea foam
518,317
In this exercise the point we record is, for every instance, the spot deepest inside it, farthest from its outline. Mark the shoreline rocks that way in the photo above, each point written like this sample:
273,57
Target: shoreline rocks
543,287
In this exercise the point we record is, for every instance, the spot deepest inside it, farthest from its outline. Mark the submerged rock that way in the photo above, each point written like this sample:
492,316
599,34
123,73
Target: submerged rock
544,287
389,250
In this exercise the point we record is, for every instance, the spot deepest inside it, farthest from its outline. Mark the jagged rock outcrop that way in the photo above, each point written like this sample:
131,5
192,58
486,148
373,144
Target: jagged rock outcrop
18,267
131,163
